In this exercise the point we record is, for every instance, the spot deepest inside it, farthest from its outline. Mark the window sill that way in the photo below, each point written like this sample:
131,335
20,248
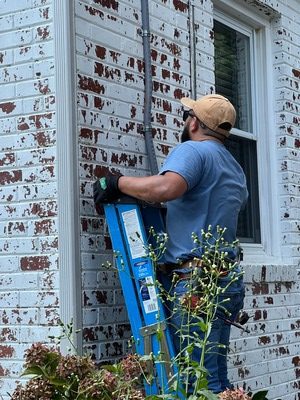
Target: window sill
254,253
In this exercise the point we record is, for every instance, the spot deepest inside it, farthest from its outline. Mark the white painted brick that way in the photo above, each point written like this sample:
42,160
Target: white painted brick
37,87
39,3
31,105
10,299
48,316
39,191
44,68
33,52
16,73
11,6
6,23
10,39
40,299
17,316
14,369
91,261
6,57
38,174
90,316
32,16
36,157
21,246
48,280
38,333
7,125
19,281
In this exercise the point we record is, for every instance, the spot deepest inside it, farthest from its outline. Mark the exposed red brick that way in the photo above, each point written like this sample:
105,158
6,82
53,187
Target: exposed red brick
23,126
43,32
296,72
165,73
43,139
260,288
7,177
37,120
180,6
98,103
34,263
113,4
86,133
44,227
264,340
13,227
114,55
3,371
101,296
7,335
6,351
94,11
90,84
42,87
178,93
7,159
7,107
100,52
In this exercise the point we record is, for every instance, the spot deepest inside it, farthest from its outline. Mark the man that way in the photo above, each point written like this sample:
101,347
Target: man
203,186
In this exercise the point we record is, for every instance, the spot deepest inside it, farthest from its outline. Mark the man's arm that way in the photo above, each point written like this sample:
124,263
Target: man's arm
156,188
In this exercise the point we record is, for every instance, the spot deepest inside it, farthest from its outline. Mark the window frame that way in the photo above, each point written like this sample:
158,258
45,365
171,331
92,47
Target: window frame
258,29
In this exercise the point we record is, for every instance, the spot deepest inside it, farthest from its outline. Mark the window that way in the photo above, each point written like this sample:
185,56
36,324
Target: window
234,78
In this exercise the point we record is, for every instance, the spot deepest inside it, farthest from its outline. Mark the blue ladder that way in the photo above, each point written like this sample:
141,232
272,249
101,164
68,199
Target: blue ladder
127,225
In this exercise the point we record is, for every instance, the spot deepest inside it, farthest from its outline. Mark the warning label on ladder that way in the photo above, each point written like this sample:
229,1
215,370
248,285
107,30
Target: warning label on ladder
134,234
148,294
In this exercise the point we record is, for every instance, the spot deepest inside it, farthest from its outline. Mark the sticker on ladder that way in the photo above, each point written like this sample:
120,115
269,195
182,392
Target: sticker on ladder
148,294
134,234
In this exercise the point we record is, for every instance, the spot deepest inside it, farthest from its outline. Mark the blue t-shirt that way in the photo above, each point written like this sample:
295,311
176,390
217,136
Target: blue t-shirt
216,192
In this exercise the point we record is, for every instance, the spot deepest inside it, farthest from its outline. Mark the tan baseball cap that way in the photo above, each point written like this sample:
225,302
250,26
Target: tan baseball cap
213,110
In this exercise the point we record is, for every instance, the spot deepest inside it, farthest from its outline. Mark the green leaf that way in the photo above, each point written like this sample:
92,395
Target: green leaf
36,370
58,382
207,394
261,395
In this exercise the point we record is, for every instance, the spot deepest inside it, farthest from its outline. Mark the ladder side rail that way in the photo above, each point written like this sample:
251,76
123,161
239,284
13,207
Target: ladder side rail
143,270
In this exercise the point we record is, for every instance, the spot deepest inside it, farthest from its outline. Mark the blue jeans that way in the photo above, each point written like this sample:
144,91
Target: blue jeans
215,360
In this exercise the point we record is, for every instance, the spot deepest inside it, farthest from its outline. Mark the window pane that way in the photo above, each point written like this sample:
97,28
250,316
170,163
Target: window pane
233,80
244,151
232,71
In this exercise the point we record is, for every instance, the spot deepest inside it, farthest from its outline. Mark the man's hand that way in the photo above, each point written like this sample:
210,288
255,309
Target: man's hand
106,189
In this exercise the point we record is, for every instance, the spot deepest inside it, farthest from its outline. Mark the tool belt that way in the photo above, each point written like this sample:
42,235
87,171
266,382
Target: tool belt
195,263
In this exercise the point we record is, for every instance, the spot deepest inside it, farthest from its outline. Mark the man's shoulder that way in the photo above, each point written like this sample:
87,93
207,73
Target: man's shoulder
200,145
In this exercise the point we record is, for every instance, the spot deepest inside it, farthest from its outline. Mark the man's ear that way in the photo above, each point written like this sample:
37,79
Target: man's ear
194,125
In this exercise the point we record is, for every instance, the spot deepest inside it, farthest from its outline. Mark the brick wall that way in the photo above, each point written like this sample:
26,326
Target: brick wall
286,59
28,225
110,94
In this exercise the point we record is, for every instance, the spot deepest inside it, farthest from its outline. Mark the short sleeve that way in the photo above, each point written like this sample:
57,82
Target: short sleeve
187,161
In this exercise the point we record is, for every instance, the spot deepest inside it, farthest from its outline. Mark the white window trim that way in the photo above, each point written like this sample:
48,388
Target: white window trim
231,13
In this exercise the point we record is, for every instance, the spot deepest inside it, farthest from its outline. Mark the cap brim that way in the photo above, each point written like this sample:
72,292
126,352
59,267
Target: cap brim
187,102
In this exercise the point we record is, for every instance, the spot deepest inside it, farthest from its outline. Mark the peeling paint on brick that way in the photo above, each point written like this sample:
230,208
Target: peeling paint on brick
6,351
7,107
90,84
8,177
110,4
